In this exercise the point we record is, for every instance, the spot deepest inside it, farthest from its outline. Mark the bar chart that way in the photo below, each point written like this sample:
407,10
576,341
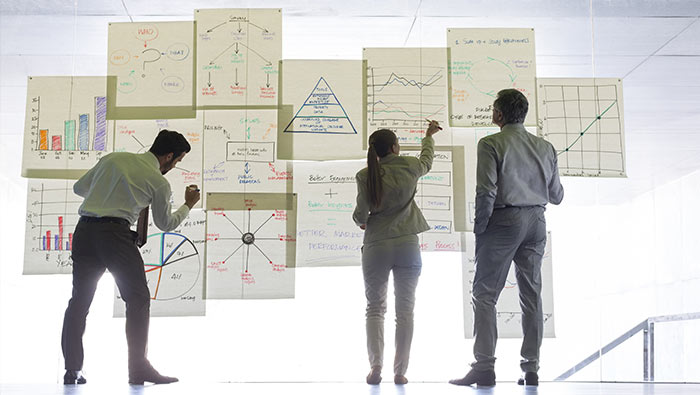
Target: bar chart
52,213
66,126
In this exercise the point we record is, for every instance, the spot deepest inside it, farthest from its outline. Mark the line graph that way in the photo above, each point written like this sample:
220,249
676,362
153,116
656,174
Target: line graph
583,119
404,87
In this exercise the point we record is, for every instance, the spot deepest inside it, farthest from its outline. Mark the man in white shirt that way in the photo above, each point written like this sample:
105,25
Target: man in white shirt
116,190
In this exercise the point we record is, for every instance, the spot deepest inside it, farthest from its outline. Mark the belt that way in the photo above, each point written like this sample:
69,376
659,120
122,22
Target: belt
114,220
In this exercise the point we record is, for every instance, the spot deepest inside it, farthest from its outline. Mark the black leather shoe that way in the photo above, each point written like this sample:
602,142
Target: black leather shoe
150,375
74,377
529,378
482,378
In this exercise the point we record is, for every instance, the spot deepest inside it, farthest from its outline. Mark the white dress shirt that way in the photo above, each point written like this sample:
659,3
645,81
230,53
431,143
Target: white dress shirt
121,184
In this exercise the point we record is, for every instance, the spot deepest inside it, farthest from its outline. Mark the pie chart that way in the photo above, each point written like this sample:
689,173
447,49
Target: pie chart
172,265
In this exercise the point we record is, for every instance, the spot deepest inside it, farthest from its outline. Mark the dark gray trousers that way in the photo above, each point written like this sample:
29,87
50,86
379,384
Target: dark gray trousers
98,247
516,234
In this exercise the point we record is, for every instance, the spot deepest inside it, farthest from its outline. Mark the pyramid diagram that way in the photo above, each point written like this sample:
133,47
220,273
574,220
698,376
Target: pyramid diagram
321,113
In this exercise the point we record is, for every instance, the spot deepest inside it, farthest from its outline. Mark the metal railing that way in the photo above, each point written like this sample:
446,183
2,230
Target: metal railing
647,326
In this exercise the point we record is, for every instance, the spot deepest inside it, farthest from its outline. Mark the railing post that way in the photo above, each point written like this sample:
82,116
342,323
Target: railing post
651,351
646,352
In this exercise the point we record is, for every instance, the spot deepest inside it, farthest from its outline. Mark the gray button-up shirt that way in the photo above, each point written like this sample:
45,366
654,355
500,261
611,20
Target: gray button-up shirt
514,168
398,214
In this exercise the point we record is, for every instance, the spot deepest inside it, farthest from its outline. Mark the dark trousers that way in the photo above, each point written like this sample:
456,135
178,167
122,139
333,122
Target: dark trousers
98,247
516,234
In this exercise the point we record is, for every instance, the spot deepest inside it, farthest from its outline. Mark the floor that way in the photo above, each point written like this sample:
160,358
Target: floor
548,388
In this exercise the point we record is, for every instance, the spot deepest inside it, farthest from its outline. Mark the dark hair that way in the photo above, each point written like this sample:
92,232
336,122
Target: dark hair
169,141
380,143
512,104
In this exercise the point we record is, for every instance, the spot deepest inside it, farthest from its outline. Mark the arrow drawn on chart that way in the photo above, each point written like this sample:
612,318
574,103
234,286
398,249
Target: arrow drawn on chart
209,82
267,62
236,76
239,27
512,76
268,80
261,28
220,24
222,52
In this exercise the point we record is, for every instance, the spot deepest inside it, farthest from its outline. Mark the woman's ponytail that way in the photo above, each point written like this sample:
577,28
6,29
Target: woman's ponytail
380,145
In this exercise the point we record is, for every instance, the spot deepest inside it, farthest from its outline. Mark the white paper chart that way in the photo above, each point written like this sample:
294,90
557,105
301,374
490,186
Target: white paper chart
174,266
66,130
52,213
406,86
483,62
136,136
583,119
326,233
241,152
153,63
321,107
238,54
508,315
250,245
435,197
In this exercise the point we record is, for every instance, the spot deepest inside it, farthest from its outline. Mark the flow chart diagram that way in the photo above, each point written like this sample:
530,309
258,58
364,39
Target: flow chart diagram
153,63
238,53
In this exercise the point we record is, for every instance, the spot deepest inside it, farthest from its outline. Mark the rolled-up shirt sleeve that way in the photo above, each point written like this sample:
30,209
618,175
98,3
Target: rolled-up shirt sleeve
361,213
427,153
486,185
161,208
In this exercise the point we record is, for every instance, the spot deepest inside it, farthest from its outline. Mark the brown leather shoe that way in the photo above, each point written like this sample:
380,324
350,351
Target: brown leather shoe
400,379
375,375
149,374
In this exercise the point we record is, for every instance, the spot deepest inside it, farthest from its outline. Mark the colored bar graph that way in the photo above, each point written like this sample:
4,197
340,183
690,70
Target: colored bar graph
59,244
44,139
70,242
69,135
56,143
83,133
43,243
56,245
100,123
48,240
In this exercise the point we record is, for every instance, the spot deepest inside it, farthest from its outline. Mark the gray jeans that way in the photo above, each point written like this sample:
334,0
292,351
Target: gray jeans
516,234
402,256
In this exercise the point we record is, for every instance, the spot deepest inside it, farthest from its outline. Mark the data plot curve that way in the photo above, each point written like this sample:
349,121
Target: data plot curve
321,113
583,119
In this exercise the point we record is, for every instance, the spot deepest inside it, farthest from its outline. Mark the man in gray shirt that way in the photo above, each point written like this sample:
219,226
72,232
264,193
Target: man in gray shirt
516,177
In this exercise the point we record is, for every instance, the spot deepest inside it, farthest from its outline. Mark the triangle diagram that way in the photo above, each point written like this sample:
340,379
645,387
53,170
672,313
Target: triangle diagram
321,113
